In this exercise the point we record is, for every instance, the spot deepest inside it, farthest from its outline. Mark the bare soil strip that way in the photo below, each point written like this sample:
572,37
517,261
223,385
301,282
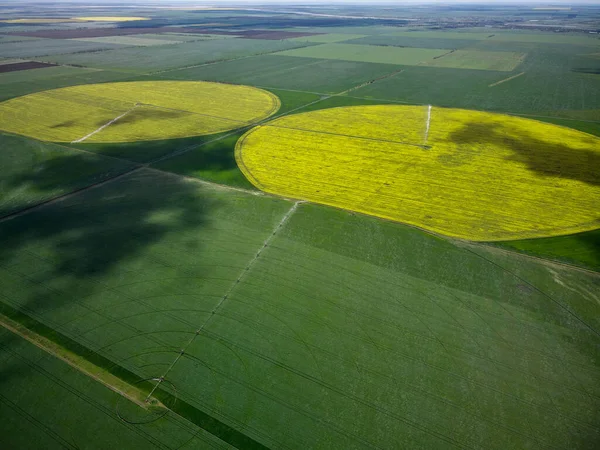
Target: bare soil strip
506,79
266,243
77,362
104,126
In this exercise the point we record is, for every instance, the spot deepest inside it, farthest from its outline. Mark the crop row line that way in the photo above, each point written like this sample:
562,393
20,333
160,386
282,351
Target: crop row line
228,292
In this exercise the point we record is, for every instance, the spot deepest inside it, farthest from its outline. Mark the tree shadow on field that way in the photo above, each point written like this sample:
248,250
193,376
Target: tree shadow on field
543,158
71,244
214,161
146,113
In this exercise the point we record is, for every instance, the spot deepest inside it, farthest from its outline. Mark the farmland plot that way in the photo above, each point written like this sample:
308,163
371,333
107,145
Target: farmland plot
18,84
34,172
45,47
367,53
154,59
137,111
466,174
334,324
53,403
287,72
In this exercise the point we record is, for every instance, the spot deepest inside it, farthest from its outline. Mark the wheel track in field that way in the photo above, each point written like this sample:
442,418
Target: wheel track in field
228,292
106,125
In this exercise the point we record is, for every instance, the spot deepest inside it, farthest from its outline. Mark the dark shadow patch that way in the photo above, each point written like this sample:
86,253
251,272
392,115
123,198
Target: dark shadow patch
28,65
593,71
93,231
146,113
581,249
541,157
214,161
65,124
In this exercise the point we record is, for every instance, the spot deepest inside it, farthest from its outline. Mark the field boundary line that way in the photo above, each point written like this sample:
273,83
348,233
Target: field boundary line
106,379
534,287
367,83
105,125
213,184
210,63
231,133
549,262
62,197
506,79
228,292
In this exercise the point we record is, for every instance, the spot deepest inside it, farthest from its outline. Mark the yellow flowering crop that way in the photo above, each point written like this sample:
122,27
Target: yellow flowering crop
147,110
467,174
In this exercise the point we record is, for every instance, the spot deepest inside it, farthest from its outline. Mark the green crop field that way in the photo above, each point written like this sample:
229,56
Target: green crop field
412,41
329,38
43,400
16,84
45,47
474,59
366,53
154,59
154,295
287,72
34,171
374,346
134,41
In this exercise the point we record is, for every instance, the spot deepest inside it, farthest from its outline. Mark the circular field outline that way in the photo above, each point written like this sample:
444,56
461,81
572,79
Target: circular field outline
135,111
512,177
161,411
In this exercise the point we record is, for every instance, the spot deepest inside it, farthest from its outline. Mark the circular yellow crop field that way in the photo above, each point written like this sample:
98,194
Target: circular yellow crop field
467,174
135,111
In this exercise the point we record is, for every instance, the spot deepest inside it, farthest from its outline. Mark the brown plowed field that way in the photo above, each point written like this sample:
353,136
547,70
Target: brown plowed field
23,66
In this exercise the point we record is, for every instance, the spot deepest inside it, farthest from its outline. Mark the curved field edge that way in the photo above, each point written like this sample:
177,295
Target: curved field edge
139,114
579,249
134,389
583,227
337,278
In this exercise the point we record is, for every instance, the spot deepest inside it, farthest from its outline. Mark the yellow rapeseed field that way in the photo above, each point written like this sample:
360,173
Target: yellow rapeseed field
147,110
466,174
